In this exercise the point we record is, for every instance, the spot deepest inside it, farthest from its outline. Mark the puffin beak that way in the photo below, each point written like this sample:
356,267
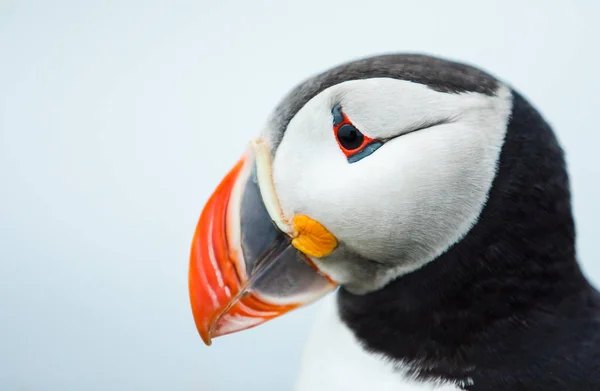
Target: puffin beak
248,263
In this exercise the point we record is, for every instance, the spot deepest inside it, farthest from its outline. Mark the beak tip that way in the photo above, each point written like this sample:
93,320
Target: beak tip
206,338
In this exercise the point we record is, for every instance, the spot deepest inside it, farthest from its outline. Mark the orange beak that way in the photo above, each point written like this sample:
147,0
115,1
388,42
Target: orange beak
243,269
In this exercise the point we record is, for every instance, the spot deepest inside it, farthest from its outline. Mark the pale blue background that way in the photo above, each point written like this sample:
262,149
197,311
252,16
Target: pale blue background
117,121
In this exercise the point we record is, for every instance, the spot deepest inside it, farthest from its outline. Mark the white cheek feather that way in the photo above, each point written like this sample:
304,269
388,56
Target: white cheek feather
415,196
334,361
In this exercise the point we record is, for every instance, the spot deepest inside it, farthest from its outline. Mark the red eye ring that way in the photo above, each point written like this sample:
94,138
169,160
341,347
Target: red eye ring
350,140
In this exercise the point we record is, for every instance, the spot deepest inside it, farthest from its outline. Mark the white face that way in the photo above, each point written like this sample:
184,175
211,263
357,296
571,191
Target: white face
407,202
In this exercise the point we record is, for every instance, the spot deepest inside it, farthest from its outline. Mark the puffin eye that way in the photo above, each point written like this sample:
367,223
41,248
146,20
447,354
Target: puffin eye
351,141
349,137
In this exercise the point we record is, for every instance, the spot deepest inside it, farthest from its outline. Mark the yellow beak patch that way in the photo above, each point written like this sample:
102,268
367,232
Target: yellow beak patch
312,238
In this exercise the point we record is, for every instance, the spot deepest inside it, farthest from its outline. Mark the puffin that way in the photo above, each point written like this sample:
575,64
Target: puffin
428,203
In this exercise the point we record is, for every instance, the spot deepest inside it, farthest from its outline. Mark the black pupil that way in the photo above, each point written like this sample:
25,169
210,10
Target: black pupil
350,137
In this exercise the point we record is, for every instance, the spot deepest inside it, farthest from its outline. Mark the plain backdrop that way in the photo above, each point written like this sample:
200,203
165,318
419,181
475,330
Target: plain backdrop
118,119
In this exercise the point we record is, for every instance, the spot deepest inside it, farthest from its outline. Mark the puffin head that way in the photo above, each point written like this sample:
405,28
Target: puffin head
363,174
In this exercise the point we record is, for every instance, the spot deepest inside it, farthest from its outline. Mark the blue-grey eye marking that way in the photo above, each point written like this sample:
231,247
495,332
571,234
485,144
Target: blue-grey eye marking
338,117
366,151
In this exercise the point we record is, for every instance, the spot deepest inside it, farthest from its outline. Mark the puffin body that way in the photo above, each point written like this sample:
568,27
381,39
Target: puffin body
435,199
